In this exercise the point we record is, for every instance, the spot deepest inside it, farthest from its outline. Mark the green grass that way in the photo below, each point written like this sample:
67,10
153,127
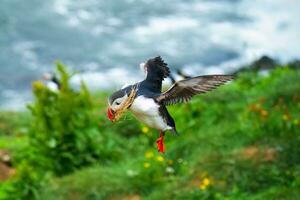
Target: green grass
244,152
14,127
238,142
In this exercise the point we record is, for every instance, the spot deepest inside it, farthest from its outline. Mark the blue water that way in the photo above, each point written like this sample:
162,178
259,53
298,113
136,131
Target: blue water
106,40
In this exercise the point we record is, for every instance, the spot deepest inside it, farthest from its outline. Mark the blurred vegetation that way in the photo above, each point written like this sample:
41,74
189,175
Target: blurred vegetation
238,142
63,130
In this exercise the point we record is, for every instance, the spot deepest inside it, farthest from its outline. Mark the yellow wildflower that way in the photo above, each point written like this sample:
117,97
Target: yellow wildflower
202,187
146,164
285,117
206,182
255,107
160,158
170,162
149,154
145,129
263,113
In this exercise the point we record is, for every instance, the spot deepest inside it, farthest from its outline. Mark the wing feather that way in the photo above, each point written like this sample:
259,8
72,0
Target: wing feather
183,91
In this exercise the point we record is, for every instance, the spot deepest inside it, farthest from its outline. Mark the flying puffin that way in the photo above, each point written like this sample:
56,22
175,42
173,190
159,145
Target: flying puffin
149,103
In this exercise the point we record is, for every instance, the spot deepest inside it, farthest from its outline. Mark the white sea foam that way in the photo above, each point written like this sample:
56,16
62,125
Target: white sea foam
75,13
202,37
62,6
161,25
103,80
275,30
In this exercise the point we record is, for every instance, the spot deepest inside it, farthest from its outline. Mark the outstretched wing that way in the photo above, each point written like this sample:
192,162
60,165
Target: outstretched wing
183,91
157,70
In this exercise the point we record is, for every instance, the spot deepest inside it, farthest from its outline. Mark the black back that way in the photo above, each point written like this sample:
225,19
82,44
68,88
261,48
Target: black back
157,71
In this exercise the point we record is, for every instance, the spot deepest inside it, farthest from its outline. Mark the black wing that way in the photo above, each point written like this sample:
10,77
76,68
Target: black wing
157,70
183,91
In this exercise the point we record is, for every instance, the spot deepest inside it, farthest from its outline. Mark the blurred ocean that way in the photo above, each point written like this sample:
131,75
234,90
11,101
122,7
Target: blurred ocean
106,40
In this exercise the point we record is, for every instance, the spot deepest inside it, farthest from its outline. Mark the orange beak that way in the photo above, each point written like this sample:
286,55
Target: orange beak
110,114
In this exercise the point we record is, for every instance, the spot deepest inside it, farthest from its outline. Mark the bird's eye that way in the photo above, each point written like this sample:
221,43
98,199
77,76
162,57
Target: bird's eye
117,103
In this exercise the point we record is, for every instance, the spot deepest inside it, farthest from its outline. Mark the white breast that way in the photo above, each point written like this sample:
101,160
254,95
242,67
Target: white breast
147,111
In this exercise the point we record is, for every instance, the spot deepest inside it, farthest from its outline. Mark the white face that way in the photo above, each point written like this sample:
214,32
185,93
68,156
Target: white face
117,103
47,76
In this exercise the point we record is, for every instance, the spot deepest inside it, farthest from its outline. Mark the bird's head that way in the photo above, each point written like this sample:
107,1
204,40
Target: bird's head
47,76
116,103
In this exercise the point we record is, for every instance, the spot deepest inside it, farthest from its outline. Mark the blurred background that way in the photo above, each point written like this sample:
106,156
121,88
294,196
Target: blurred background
107,40
60,59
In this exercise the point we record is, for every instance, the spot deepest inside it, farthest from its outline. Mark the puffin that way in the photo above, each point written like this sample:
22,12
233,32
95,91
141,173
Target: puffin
149,103
53,83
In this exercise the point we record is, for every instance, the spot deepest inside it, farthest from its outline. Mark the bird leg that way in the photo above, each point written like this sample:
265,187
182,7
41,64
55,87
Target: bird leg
160,142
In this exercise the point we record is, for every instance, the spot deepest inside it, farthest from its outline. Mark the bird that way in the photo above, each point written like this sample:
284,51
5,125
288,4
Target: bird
149,104
53,83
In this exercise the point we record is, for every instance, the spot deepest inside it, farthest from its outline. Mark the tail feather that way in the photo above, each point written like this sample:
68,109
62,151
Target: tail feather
174,131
